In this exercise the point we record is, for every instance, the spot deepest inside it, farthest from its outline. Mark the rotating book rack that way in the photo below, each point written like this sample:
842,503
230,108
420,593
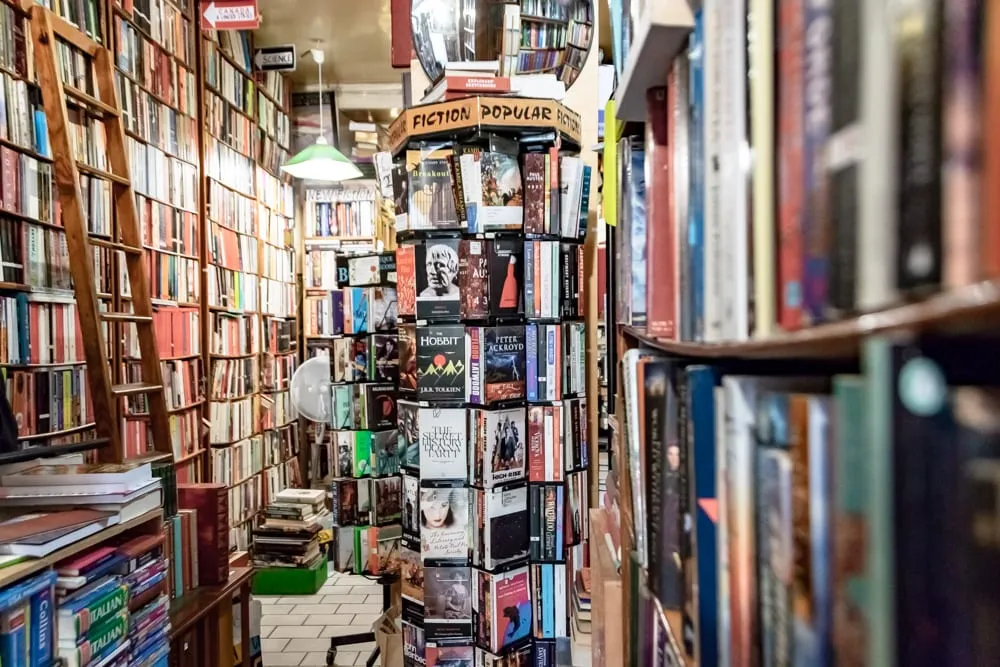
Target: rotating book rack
492,409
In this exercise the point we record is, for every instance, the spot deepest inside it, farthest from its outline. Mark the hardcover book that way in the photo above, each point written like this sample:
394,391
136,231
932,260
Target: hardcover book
437,287
496,364
443,443
406,280
444,523
431,198
441,362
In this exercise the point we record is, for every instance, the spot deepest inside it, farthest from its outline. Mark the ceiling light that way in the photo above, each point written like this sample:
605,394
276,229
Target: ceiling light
321,161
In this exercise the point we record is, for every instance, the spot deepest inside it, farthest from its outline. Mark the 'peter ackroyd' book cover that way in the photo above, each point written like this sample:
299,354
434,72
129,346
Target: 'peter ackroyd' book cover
496,364
441,362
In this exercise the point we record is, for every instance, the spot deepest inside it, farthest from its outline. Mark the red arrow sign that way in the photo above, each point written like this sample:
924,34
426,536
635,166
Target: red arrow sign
230,15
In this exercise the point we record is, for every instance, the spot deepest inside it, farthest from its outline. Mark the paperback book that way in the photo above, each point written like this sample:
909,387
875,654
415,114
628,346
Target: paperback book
496,364
436,262
443,444
431,204
444,524
441,362
498,439
447,603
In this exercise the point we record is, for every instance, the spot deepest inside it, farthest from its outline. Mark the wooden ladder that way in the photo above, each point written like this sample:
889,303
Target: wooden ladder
46,28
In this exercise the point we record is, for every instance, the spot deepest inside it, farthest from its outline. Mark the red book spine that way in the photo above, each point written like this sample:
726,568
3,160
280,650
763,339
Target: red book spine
661,291
477,84
401,37
791,179
990,242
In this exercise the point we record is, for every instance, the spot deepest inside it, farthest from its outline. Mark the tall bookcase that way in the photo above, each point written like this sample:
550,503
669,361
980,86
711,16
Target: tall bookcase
250,276
156,80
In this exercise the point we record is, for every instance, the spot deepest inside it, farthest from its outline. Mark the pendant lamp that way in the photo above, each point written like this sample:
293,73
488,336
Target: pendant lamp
321,161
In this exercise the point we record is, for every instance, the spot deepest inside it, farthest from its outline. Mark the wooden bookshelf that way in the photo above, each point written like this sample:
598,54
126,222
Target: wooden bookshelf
18,571
960,310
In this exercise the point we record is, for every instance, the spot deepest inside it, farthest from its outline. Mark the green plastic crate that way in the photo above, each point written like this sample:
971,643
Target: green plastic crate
289,580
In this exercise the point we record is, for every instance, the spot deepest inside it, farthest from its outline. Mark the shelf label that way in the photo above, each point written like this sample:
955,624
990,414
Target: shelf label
275,58
230,15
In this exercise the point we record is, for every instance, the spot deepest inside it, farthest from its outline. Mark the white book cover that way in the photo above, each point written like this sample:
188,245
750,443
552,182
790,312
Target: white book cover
505,449
445,526
443,443
712,233
762,56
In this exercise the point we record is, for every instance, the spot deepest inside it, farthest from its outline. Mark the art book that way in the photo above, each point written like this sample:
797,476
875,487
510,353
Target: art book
443,443
444,523
436,265
441,362
431,195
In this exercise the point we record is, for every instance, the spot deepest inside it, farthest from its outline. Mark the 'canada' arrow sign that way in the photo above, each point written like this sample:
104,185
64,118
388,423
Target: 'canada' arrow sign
230,15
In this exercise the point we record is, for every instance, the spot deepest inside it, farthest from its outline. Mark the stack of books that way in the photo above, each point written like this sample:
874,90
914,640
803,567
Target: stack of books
79,500
112,604
26,630
581,607
289,535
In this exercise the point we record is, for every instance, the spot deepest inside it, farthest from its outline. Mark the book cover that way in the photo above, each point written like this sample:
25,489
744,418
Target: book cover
386,358
380,406
448,596
431,199
473,279
401,195
386,498
449,655
384,309
437,268
412,575
534,193
410,510
345,453
505,268
441,360
504,455
443,443
503,363
506,534
413,645
385,452
360,353
511,609
406,280
444,523
407,417
502,198
407,358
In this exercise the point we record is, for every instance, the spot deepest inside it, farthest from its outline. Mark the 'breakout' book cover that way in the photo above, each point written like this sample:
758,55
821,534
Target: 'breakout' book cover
431,196
441,362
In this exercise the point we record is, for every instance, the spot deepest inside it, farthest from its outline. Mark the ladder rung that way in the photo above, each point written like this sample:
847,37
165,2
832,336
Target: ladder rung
112,245
125,317
135,388
89,100
100,173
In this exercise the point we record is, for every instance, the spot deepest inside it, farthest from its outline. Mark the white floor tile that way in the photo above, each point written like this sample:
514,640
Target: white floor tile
301,599
282,619
330,619
348,598
316,608
360,609
273,645
296,631
310,645
271,609
282,659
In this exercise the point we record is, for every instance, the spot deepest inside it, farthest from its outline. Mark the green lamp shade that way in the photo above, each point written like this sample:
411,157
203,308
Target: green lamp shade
321,162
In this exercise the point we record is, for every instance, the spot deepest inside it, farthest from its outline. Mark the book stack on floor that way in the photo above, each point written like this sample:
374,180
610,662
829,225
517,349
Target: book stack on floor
287,551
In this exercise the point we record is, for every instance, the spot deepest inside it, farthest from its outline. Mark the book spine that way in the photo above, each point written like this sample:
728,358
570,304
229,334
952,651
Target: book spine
42,630
13,637
475,367
761,131
918,59
660,287
790,155
990,219
531,345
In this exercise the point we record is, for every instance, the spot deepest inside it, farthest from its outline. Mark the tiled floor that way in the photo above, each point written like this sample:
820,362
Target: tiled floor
296,630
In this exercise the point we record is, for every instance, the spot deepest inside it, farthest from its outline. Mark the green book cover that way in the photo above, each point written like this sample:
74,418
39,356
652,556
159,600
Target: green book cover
362,453
101,638
343,415
94,613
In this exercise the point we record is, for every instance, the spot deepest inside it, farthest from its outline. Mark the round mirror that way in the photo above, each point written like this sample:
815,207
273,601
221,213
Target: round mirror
543,36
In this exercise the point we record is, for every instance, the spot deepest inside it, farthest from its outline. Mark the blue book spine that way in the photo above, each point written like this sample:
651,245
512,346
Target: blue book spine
19,593
42,630
550,363
560,523
23,337
816,110
585,201
529,279
548,602
693,327
13,637
42,133
702,381
531,342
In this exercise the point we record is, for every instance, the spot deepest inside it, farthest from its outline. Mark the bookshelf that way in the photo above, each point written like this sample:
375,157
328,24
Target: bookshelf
156,81
251,305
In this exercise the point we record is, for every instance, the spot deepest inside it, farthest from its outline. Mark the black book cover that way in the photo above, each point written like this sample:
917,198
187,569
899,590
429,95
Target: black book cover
386,358
345,502
507,517
441,362
473,279
506,277
359,359
386,500
437,269
504,363
380,403
410,510
448,601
